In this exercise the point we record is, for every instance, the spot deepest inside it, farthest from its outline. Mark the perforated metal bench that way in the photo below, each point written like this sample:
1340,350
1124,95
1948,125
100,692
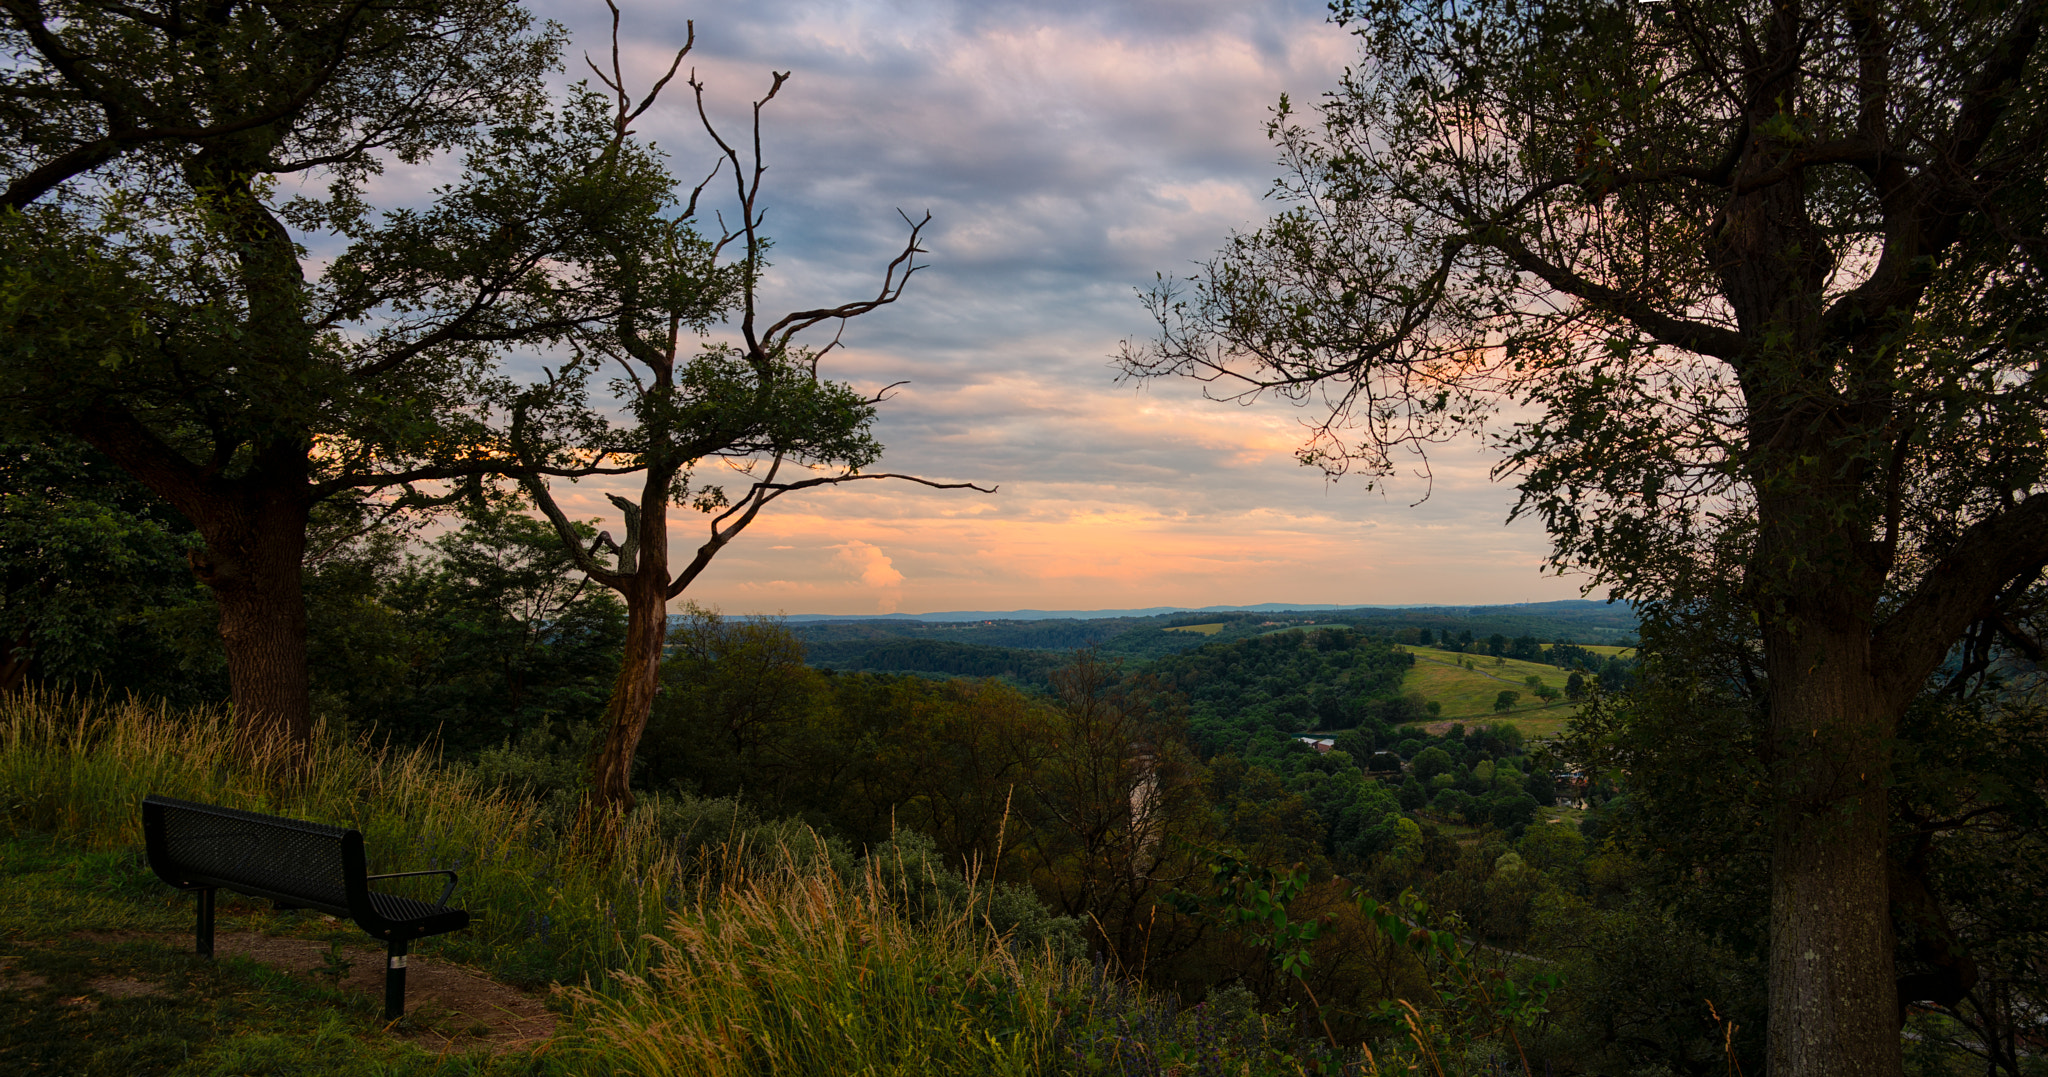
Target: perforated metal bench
200,847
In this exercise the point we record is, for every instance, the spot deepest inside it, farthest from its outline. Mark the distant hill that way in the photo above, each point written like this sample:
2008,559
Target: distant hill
1018,646
1065,615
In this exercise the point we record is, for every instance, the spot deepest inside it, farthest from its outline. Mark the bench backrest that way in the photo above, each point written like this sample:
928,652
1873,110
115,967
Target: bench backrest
286,860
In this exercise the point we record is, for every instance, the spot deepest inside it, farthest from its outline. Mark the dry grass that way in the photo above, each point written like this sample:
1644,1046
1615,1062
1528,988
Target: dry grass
796,973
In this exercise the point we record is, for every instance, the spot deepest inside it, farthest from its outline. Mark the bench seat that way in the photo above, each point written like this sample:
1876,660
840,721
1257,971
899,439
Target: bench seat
295,864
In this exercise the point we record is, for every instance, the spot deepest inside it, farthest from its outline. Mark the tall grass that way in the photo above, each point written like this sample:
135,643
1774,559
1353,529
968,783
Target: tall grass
691,940
799,973
555,902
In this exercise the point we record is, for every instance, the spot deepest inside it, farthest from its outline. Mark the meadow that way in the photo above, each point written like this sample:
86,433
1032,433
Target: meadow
1468,695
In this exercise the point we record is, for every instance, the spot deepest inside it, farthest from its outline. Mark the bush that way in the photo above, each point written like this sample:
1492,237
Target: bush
907,874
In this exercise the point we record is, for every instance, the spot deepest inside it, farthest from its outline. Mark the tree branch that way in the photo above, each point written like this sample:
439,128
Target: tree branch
1722,344
1952,593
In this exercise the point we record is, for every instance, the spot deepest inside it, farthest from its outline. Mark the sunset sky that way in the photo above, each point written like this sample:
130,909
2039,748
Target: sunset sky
1067,151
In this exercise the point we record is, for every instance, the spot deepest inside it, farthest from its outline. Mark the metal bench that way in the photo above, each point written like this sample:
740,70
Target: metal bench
200,847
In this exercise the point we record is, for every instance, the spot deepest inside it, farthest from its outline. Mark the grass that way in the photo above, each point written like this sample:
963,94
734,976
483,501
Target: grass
1206,630
86,990
575,901
1467,695
762,952
799,973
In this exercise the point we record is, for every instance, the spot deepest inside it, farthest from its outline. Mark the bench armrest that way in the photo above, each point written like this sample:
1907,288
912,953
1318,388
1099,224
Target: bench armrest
446,892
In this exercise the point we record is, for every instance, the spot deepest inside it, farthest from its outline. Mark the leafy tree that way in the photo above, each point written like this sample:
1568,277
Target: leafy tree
1506,700
1555,850
1118,796
85,553
1968,810
760,403
736,708
1431,762
496,632
1510,811
1575,686
155,298
1769,276
1647,991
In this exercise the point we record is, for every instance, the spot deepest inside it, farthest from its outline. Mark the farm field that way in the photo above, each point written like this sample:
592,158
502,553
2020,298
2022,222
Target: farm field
1467,695
1206,630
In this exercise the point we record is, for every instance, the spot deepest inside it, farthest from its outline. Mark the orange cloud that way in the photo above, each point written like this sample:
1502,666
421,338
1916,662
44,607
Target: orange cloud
875,571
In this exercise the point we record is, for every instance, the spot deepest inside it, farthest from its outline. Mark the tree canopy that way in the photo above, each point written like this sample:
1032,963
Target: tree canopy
1765,280
169,172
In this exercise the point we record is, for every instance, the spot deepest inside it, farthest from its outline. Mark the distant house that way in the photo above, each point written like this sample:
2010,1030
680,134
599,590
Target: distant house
1322,745
1571,787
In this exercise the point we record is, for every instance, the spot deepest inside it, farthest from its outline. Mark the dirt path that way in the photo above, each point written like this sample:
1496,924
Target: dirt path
453,1007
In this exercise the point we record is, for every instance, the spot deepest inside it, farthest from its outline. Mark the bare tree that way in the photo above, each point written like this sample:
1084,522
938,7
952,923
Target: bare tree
760,403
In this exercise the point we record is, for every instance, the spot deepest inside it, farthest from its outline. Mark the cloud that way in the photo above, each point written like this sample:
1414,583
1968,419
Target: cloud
1068,151
874,570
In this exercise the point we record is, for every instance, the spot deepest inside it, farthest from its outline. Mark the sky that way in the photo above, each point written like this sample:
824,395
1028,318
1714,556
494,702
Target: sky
1067,152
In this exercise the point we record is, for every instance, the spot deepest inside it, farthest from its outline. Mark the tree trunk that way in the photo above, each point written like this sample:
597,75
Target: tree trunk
254,563
625,716
1833,1000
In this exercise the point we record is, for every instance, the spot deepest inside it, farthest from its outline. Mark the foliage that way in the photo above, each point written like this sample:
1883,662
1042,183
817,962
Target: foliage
704,938
1646,990
1764,283
88,555
736,710
1334,678
167,169
800,973
1470,1004
574,900
1022,667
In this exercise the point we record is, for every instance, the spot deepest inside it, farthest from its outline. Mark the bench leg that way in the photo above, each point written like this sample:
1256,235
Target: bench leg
205,921
394,980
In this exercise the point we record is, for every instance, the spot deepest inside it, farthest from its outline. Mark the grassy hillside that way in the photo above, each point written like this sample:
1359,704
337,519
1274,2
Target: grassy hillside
1468,694
687,943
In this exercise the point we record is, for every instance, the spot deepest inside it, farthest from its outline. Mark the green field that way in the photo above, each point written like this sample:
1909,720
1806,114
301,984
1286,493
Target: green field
1206,630
1467,695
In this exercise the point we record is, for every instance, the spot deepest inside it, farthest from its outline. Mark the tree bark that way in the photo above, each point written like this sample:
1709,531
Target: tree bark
625,716
1833,999
643,562
263,632
254,526
254,562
